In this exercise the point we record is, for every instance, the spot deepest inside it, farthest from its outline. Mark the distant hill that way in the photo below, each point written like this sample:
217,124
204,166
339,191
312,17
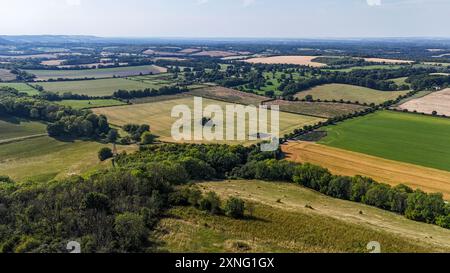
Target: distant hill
53,39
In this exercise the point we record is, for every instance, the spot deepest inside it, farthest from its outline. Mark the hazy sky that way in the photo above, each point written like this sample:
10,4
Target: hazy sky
227,18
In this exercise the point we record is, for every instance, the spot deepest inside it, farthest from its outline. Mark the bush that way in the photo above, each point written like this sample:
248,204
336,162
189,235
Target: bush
378,196
131,231
235,208
210,203
147,138
105,153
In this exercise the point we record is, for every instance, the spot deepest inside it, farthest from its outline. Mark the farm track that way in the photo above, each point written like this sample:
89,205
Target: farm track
18,139
342,162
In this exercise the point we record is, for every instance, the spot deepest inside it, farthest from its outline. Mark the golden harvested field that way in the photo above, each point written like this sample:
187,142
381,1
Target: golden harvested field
389,61
298,60
348,163
52,62
436,101
230,95
213,53
158,116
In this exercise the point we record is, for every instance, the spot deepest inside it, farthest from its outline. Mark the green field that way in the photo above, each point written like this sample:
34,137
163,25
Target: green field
400,81
281,222
368,67
158,116
95,88
21,87
44,75
47,158
13,128
350,93
86,104
410,138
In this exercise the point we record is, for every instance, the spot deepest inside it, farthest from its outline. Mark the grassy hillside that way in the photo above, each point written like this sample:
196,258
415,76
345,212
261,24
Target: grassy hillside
350,93
281,222
410,138
11,128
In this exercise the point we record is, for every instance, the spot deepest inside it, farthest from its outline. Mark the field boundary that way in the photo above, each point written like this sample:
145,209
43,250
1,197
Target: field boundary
18,139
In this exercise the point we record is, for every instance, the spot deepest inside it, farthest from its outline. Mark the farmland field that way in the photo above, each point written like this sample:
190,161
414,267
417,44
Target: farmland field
12,128
298,60
21,87
319,109
6,75
410,138
44,75
436,101
47,158
85,104
229,95
95,88
343,162
368,67
274,224
350,93
389,61
158,116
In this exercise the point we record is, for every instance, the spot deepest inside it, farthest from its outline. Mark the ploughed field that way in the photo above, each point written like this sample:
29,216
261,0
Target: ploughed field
351,93
44,75
158,115
410,138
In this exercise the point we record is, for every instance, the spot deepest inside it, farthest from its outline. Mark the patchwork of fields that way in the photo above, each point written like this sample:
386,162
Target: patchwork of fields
158,115
21,87
404,137
350,93
44,75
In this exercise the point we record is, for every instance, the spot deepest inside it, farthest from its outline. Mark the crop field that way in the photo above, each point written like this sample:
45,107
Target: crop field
369,67
319,109
12,128
435,101
95,88
229,95
410,138
21,87
297,60
44,75
48,158
331,226
6,75
86,104
344,162
158,116
350,93
388,61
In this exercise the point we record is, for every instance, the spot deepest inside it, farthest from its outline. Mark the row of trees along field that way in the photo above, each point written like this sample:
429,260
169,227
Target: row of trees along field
62,121
116,210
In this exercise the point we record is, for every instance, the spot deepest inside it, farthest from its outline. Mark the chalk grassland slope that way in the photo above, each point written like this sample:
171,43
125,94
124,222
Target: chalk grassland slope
229,95
296,60
48,158
343,162
44,75
410,138
158,116
287,226
94,88
350,93
13,128
436,101
319,109
6,75
21,87
388,61
86,104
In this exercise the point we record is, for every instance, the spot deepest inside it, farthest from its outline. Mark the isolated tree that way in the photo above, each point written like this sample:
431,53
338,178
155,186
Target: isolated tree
235,208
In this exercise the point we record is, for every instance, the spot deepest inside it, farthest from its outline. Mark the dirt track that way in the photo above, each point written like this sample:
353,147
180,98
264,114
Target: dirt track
342,162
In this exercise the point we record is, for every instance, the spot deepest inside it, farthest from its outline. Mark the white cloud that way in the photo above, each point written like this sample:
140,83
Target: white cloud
73,2
373,3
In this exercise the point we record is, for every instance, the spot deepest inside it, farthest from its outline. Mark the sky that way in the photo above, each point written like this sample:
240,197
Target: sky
227,18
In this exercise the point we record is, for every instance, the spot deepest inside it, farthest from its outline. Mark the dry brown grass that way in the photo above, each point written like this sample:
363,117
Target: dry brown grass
342,162
229,95
389,61
436,101
298,60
